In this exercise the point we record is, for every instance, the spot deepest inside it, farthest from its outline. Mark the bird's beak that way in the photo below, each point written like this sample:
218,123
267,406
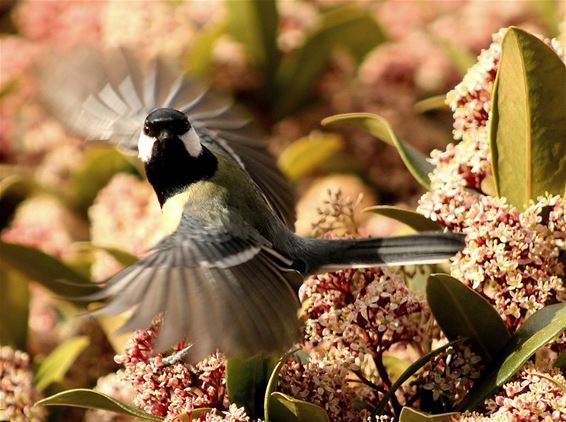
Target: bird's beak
165,135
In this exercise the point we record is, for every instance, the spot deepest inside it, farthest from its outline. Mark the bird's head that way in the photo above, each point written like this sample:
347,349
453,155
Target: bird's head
172,153
167,128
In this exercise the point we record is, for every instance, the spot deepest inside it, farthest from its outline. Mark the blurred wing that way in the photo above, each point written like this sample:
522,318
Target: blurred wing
218,290
108,96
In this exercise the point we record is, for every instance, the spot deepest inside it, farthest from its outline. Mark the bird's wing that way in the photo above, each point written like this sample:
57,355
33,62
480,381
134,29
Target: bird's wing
217,289
106,97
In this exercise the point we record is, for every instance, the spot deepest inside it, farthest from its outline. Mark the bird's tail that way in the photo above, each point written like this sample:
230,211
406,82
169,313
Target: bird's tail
424,248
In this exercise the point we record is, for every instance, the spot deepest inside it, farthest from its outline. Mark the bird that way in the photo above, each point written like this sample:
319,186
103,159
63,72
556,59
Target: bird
226,275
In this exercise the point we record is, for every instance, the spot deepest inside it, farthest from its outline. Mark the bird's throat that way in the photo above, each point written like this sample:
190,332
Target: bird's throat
171,169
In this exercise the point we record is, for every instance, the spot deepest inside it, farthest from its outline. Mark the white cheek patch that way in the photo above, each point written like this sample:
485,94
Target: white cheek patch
192,142
145,146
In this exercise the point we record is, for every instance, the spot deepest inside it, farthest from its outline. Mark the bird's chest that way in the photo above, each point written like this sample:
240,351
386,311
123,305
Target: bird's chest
214,203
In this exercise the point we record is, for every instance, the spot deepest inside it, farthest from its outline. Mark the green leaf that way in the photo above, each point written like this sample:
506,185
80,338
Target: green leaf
45,269
438,102
461,312
411,370
540,328
98,166
247,380
90,399
548,11
124,258
560,361
377,126
411,415
199,57
414,220
194,415
306,154
527,129
254,23
54,367
274,378
395,366
288,409
349,27
461,58
14,309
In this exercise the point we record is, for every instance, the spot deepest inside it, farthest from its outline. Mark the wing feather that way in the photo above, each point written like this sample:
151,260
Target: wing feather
106,97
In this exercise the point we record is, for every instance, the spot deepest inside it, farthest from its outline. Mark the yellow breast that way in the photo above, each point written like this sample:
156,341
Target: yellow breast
173,210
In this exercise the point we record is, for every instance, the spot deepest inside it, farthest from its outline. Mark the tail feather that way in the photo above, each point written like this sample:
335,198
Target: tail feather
422,248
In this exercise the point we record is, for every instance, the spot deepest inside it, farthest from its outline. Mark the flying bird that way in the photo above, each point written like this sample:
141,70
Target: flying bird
227,274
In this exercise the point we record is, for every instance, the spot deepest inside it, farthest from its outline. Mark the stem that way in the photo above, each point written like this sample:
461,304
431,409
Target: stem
387,382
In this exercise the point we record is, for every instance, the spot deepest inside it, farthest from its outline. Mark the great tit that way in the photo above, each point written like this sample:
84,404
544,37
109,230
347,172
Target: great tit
227,275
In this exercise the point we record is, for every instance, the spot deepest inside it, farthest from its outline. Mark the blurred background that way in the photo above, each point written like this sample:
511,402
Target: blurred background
289,63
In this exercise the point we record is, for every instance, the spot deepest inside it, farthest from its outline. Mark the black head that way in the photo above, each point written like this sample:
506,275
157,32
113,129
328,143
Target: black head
166,119
172,153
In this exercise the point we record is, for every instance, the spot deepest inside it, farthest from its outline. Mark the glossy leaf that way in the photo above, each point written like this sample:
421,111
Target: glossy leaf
90,399
54,367
540,328
411,415
46,270
461,312
14,309
306,154
254,23
414,220
97,167
438,102
199,57
348,27
411,370
274,380
527,129
246,381
377,126
288,409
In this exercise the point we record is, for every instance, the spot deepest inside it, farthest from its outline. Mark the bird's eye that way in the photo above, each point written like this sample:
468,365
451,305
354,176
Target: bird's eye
146,129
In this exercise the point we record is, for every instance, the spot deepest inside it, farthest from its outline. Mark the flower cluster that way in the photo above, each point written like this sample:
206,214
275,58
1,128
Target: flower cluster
531,395
355,312
17,393
327,384
450,374
166,388
233,414
470,100
113,386
53,230
512,257
336,216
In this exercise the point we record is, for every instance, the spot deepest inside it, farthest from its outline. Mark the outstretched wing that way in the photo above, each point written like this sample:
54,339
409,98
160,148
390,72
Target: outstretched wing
217,289
107,96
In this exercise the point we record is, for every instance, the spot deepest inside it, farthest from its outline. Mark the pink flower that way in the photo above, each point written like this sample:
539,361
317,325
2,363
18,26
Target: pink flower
532,395
17,393
169,389
65,23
